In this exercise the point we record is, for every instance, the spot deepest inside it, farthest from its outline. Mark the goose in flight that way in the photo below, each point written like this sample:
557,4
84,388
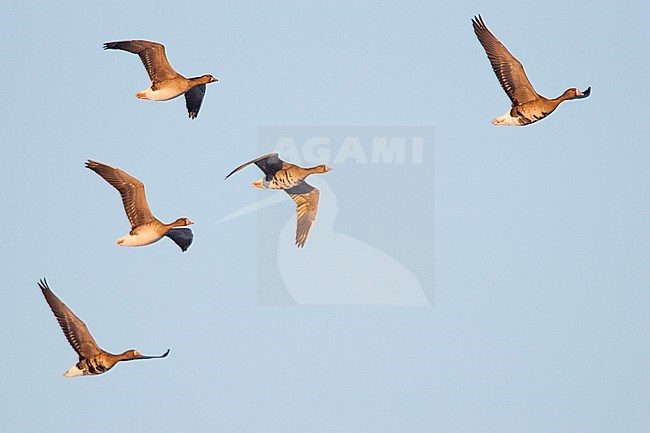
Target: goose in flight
279,174
92,359
528,106
145,228
166,83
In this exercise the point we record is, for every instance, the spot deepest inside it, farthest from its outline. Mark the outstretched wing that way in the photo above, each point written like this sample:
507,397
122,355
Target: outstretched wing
306,198
131,190
73,327
194,99
507,68
182,236
269,164
152,55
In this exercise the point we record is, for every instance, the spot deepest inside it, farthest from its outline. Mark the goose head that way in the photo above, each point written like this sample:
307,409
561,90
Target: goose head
128,355
207,78
321,169
182,222
574,93
132,354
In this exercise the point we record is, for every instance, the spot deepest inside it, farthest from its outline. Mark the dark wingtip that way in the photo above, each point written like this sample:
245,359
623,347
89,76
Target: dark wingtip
230,174
92,165
149,356
42,284
583,94
183,237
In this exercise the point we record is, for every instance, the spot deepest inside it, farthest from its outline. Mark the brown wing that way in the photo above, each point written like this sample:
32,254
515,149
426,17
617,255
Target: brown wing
507,68
73,328
152,55
306,198
269,164
131,190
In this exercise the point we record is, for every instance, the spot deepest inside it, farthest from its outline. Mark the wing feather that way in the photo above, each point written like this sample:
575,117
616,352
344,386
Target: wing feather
73,328
269,164
148,356
194,99
507,68
181,236
306,198
131,190
152,55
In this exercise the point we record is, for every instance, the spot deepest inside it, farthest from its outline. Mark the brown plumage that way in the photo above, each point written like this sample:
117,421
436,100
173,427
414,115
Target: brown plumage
145,228
290,178
527,105
166,83
92,359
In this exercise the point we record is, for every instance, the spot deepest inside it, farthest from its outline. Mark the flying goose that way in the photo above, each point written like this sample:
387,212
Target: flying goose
527,105
145,228
166,83
92,359
290,178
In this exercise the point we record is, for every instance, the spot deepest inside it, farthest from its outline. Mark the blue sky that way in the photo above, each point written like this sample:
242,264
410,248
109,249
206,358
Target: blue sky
538,245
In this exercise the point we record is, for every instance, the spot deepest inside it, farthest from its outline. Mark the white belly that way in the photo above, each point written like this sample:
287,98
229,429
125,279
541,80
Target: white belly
507,120
164,94
143,238
73,372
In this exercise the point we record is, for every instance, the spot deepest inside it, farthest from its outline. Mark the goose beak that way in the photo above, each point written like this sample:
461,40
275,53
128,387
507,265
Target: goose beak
258,184
584,94
328,168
